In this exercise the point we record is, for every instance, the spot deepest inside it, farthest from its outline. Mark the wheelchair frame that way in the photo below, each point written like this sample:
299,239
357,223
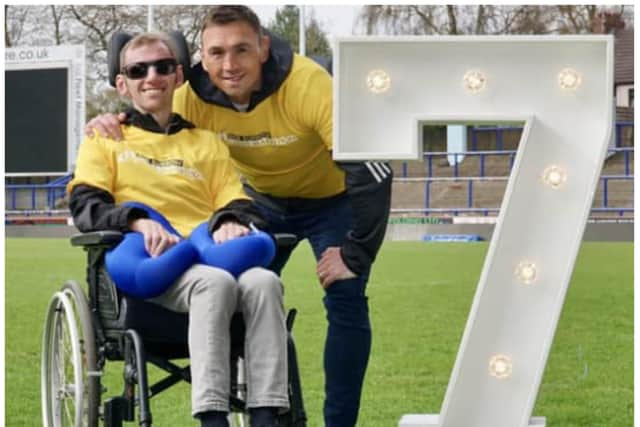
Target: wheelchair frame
81,334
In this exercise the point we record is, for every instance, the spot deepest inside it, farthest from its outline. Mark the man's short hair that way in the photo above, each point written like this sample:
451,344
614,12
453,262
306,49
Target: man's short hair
145,39
226,14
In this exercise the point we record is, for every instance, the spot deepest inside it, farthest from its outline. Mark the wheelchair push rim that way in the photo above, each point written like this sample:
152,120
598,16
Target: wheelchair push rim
68,379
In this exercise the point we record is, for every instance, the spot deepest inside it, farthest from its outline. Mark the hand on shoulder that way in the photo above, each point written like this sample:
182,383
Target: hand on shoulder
106,125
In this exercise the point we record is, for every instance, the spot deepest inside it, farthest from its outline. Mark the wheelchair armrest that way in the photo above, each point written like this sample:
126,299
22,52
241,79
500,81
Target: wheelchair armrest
112,238
285,240
97,238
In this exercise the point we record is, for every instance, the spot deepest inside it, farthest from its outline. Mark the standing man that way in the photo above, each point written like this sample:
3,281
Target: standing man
273,109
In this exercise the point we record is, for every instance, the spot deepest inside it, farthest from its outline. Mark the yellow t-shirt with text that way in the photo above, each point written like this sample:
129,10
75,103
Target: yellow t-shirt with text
283,146
185,176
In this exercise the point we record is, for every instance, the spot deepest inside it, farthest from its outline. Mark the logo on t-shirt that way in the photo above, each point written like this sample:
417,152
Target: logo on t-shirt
166,167
259,140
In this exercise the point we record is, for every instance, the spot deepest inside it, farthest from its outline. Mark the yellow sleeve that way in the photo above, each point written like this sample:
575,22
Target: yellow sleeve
191,108
93,165
313,94
181,102
226,185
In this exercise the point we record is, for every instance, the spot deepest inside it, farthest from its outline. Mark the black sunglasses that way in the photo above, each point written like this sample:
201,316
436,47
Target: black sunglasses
139,70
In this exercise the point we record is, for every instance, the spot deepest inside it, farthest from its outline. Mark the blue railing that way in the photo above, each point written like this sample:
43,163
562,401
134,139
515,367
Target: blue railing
54,190
469,208
428,156
499,151
605,187
619,127
499,131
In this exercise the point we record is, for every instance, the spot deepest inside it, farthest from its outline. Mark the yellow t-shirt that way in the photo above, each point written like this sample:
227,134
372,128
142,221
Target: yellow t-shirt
283,146
185,176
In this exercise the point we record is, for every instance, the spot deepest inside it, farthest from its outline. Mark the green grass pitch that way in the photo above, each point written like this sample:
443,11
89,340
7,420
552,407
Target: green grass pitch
419,297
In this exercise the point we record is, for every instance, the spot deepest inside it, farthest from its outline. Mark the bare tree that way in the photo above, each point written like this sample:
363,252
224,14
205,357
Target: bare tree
92,26
451,15
529,20
430,19
101,21
187,19
480,20
576,19
14,24
492,19
393,19
7,40
57,14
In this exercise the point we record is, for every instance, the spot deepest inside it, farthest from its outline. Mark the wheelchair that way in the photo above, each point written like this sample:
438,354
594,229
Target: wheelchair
82,333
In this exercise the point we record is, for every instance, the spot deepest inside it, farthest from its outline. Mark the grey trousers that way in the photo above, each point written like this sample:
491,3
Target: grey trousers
211,295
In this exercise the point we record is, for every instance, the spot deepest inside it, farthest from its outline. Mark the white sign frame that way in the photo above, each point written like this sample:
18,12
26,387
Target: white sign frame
71,58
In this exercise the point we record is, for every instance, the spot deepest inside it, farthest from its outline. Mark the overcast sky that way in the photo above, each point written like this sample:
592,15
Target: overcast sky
336,20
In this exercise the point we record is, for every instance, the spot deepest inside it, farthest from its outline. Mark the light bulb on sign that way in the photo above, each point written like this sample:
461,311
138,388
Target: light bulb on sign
554,176
500,366
526,272
474,81
569,79
378,81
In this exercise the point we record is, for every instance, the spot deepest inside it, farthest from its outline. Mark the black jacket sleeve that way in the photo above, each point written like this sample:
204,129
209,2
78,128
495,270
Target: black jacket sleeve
95,209
241,211
369,189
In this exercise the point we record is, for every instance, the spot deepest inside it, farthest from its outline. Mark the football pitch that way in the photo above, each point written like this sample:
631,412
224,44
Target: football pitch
419,298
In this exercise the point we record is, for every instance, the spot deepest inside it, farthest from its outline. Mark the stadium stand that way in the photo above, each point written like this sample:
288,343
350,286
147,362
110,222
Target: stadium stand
431,190
475,186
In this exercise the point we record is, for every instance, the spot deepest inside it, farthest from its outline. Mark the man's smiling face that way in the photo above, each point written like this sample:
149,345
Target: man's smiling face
232,55
152,93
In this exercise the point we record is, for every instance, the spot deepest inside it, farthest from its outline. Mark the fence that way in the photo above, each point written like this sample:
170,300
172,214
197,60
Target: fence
499,133
485,211
470,178
54,190
429,156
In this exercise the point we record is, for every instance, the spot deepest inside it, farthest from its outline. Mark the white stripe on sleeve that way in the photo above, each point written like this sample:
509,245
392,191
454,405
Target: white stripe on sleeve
373,171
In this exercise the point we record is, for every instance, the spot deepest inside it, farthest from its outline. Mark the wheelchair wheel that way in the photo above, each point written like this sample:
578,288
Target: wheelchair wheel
70,382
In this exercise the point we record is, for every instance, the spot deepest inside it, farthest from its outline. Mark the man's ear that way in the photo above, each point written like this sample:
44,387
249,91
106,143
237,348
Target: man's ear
265,44
121,85
202,61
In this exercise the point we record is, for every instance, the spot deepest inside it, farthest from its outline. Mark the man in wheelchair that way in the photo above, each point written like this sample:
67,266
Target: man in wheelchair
158,185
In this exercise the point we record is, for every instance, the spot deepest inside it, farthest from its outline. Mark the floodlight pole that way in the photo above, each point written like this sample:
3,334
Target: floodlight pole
150,18
303,36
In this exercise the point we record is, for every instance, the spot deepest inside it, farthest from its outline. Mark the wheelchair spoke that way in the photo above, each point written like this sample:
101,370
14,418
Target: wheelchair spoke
68,371
57,379
68,412
64,390
84,362
58,359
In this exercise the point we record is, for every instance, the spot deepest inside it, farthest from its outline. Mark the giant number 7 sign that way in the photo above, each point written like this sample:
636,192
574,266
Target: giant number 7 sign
561,88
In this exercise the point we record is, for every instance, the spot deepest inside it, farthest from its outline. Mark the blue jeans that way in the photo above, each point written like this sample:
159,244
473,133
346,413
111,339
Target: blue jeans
346,353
